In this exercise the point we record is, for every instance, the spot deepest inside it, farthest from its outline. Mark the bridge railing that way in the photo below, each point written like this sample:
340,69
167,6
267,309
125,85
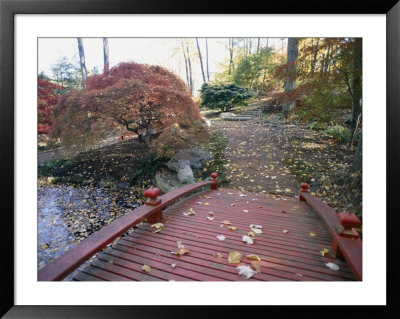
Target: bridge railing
346,242
151,211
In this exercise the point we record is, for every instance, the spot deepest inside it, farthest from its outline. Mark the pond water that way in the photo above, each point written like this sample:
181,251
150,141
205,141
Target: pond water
67,215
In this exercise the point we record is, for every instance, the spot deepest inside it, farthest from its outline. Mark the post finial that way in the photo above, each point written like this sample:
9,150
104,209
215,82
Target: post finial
214,178
152,195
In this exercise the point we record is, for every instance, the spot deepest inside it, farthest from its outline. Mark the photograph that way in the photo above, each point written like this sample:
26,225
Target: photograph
200,159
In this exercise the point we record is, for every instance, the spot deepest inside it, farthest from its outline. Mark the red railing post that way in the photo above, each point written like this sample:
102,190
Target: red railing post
214,178
153,200
349,221
303,189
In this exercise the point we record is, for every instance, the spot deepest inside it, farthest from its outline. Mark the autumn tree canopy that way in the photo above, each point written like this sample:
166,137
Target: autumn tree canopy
48,95
136,97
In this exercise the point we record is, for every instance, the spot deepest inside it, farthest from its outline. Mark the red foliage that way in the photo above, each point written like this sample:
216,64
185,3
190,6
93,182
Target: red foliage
137,97
47,97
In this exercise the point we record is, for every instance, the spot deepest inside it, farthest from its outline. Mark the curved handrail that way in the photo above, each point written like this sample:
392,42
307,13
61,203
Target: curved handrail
344,246
72,259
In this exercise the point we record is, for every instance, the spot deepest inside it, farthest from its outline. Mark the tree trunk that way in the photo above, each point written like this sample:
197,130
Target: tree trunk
314,61
354,176
190,70
208,73
290,82
106,56
258,45
82,62
186,65
357,81
201,60
230,56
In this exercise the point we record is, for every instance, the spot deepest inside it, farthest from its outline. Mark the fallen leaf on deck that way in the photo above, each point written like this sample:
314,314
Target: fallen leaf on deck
251,233
210,218
221,237
158,226
312,235
179,244
245,271
253,257
189,212
285,231
242,195
256,266
226,222
332,266
234,257
199,203
229,194
245,211
206,204
211,213
173,266
146,268
255,226
324,251
247,239
217,255
257,231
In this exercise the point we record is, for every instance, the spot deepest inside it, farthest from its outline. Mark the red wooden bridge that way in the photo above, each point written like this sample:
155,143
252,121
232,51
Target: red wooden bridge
296,239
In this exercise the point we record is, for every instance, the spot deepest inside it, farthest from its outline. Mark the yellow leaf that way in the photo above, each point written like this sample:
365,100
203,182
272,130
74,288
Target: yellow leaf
288,190
324,251
206,204
257,231
217,255
232,227
234,257
158,226
259,187
312,235
179,244
44,246
250,233
253,257
146,268
229,194
226,222
256,266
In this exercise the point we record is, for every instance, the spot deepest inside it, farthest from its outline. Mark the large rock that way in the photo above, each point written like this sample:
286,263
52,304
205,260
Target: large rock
197,159
226,115
185,173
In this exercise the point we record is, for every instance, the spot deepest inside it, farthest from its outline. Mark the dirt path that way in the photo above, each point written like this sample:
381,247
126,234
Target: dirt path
266,155
255,161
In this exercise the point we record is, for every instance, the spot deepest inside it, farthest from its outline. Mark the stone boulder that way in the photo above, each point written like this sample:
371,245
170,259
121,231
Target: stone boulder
226,115
197,159
185,173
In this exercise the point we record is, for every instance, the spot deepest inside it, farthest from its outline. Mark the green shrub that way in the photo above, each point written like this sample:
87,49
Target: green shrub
224,96
317,126
147,168
339,132
216,145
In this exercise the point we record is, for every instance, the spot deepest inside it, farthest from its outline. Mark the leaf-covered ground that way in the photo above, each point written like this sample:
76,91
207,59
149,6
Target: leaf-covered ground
270,156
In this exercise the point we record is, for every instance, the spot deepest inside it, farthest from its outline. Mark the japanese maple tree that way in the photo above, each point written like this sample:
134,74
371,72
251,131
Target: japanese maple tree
48,95
136,97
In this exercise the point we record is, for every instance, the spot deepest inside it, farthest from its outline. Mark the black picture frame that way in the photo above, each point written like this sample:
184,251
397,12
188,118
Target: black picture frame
8,8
